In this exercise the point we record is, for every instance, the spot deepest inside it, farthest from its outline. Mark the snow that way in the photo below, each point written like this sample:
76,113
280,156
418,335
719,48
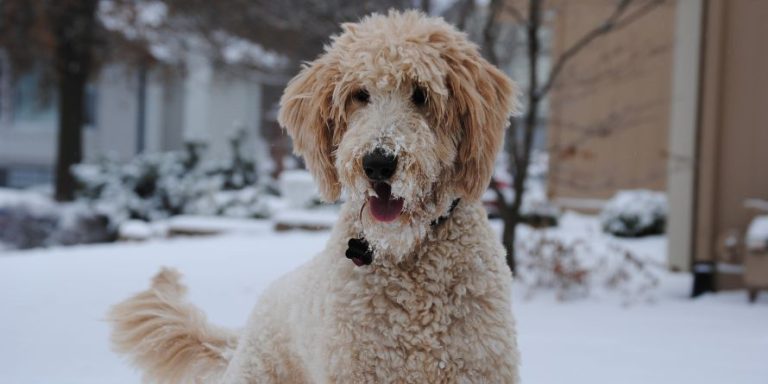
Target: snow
206,224
135,230
30,218
759,205
297,187
633,212
155,186
151,22
54,301
236,50
757,234
322,218
52,327
33,201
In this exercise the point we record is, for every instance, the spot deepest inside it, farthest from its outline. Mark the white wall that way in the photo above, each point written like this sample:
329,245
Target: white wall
34,143
206,105
682,133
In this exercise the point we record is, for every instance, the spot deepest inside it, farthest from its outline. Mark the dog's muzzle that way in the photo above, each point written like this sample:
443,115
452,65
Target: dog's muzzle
379,166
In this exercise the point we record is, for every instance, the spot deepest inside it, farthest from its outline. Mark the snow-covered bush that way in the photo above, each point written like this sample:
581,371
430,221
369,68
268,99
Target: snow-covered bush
635,213
30,220
156,186
757,233
537,211
22,228
575,268
298,188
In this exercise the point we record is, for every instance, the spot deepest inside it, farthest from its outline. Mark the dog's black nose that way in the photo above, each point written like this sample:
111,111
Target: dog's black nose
379,165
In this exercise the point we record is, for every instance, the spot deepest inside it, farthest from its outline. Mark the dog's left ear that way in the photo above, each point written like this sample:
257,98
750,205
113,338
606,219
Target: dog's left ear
306,113
482,99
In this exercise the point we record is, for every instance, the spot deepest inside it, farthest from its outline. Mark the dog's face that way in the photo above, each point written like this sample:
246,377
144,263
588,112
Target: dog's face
403,114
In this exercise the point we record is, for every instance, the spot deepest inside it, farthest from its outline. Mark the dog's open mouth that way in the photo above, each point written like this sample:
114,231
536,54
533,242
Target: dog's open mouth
384,207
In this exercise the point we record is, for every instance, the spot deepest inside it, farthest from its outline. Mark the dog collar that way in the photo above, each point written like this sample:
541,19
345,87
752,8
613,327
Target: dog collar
360,252
445,217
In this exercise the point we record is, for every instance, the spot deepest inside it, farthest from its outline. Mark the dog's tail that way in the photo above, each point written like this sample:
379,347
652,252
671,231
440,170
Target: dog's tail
168,338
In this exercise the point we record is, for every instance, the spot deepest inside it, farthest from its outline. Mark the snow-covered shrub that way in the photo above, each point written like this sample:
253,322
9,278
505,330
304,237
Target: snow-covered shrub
575,268
549,263
757,233
298,188
635,213
156,186
537,211
79,224
22,228
30,220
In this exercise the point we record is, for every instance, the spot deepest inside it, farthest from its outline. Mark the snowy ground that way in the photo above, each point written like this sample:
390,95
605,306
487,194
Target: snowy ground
53,302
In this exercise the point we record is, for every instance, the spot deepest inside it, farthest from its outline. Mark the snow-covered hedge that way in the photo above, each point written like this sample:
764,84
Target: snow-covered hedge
635,213
29,219
537,211
576,267
298,188
156,186
757,233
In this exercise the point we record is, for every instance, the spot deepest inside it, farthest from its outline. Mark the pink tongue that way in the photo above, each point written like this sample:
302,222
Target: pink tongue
384,207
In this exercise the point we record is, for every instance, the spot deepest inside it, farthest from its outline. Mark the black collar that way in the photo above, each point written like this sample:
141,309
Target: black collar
445,217
359,251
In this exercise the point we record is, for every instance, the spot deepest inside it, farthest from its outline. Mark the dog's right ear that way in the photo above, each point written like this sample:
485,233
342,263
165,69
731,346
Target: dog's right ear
306,113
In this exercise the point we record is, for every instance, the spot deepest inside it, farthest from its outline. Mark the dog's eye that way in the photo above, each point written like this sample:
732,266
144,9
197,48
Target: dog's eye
419,96
362,96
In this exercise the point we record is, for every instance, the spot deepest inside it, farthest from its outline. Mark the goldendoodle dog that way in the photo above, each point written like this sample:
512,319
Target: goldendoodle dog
404,118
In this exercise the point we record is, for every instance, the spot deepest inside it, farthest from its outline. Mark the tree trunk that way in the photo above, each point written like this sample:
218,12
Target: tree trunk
521,155
71,118
520,146
508,238
74,24
426,6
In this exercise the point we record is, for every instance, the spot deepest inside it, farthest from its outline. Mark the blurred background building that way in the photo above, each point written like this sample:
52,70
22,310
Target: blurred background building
675,103
671,100
129,112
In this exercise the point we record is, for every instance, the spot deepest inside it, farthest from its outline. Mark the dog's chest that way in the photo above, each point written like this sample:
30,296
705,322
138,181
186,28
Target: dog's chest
424,323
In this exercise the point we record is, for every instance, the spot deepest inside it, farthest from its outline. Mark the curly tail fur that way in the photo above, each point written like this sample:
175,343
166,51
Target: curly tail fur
168,338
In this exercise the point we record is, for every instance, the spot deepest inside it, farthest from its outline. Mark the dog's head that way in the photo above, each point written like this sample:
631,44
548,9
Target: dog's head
403,114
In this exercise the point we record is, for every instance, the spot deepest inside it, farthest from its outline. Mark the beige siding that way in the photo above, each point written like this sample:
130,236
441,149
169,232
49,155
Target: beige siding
610,111
733,148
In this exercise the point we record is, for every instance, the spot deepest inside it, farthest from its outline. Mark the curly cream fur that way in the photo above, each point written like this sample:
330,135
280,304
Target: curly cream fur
434,306
167,337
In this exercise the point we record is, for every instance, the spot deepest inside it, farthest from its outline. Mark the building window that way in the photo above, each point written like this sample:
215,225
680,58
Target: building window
34,104
5,86
27,103
24,177
90,106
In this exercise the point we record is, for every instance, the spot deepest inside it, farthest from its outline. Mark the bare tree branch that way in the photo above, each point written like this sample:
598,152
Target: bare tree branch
586,182
490,33
510,144
612,23
516,14
425,6
500,198
466,7
532,115
625,119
